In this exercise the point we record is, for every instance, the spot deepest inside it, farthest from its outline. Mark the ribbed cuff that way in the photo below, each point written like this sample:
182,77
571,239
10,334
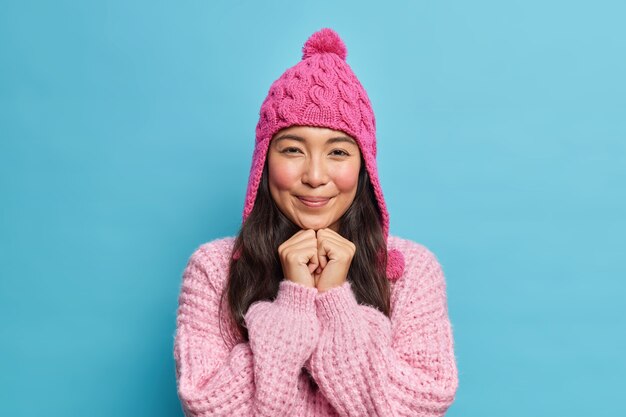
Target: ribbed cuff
336,304
296,296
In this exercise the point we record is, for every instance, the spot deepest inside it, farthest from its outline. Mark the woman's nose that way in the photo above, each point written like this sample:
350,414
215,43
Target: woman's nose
315,172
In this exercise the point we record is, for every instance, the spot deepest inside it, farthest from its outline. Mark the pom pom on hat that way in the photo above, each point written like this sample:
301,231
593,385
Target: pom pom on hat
323,41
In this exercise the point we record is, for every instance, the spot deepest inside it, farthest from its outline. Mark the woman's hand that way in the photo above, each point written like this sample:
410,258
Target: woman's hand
320,260
298,257
335,255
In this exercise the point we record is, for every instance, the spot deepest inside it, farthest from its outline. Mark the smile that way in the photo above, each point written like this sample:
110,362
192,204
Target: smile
314,202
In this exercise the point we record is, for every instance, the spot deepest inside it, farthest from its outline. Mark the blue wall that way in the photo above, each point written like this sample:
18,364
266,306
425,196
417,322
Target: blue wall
126,132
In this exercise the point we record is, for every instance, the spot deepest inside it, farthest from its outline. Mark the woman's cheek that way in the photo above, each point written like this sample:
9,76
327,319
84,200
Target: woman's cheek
283,176
346,177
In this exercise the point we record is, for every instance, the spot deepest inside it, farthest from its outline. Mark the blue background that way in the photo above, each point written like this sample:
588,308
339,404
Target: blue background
126,133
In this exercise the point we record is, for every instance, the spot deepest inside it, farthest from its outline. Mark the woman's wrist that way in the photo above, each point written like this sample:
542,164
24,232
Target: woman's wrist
296,296
336,304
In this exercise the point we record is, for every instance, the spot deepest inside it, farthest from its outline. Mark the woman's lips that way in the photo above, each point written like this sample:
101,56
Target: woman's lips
313,201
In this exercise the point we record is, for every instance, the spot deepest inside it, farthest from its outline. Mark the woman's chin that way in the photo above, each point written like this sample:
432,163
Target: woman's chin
313,224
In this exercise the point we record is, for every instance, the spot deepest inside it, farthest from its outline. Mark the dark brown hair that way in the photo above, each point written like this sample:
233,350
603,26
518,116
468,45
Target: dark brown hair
257,273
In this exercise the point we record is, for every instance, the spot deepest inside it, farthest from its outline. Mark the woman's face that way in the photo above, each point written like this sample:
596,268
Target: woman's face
313,175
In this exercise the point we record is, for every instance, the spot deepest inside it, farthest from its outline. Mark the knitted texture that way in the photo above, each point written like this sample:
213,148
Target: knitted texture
312,353
321,90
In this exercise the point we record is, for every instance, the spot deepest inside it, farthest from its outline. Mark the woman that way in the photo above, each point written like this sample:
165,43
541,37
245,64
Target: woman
313,309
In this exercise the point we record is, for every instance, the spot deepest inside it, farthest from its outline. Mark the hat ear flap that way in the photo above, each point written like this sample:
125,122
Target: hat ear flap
395,264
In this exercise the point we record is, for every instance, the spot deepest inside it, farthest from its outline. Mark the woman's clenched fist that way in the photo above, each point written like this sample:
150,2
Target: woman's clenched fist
317,259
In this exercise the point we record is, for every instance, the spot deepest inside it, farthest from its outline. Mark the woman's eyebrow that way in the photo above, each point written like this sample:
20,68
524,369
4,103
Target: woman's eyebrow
288,136
341,139
301,139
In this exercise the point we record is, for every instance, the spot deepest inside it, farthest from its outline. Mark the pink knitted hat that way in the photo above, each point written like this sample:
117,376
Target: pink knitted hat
321,90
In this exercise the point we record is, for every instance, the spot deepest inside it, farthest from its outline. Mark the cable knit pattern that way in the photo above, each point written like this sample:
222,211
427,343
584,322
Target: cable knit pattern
362,363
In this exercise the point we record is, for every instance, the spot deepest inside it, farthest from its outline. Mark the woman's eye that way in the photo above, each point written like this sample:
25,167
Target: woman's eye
290,150
339,152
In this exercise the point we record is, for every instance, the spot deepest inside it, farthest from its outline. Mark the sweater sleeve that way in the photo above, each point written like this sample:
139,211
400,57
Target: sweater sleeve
282,335
368,365
258,378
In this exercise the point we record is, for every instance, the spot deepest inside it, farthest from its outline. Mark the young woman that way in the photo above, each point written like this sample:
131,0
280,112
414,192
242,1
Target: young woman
313,309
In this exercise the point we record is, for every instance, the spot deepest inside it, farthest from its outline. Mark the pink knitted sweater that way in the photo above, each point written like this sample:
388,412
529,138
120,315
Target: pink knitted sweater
315,354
